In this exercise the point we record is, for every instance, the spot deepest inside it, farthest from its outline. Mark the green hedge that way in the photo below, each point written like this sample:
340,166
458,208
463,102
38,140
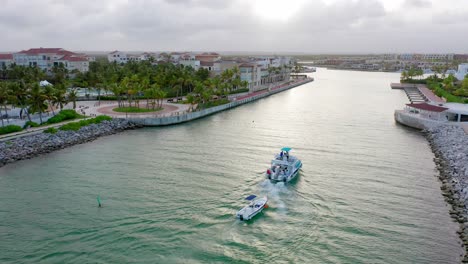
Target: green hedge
63,115
239,91
75,126
30,124
439,91
214,103
9,129
51,130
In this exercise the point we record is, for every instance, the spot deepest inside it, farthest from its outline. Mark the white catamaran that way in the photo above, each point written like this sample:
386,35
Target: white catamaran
255,206
284,167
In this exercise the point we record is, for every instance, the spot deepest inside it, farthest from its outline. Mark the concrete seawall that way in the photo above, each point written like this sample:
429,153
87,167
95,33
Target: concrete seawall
172,120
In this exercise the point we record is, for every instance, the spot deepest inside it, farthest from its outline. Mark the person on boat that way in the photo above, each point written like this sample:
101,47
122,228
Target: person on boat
281,154
287,156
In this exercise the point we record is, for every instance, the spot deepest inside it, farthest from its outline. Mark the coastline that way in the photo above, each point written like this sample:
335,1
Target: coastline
30,146
450,147
189,116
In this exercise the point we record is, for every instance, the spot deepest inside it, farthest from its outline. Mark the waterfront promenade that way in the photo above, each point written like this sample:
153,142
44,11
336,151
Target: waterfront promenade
185,116
173,113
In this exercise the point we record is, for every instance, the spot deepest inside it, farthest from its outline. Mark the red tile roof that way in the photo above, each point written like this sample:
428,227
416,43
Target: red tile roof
428,107
37,51
73,58
206,63
6,56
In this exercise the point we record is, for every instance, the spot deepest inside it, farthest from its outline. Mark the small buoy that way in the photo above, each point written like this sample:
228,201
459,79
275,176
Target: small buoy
266,206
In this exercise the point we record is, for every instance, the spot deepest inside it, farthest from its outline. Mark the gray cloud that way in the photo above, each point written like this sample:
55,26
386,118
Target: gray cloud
318,26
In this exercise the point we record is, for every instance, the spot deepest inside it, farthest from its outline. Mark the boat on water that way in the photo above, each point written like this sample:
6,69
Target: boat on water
255,206
307,69
284,167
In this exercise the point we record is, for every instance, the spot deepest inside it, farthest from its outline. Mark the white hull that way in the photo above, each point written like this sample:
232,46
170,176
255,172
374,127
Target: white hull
284,170
251,210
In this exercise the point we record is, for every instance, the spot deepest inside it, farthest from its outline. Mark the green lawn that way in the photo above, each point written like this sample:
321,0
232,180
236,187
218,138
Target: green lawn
135,110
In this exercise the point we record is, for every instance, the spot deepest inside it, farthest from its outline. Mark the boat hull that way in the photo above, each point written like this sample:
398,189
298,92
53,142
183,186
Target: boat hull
286,178
252,210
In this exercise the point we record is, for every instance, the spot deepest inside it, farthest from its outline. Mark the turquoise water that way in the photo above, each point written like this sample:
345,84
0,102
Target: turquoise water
367,192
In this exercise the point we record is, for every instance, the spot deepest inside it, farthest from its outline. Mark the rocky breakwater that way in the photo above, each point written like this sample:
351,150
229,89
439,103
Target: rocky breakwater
33,145
450,146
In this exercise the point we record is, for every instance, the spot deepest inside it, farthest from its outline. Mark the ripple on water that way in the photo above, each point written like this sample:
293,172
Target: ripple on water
366,193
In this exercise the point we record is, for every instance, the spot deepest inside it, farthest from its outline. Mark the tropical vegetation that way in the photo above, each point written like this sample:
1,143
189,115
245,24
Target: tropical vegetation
75,126
133,84
448,87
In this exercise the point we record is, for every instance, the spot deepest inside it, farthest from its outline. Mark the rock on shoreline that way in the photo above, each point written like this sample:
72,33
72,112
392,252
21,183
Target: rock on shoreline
27,147
450,146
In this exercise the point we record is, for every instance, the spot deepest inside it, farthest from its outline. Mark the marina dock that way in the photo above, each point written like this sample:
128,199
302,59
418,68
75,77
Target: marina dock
417,93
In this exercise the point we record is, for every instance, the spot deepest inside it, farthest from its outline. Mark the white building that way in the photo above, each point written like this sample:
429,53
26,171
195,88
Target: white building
462,71
189,60
72,62
251,73
117,56
6,60
437,56
46,58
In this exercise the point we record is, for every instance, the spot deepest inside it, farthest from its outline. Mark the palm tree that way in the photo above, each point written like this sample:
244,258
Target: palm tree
72,96
404,75
4,97
116,89
60,99
38,99
190,100
49,94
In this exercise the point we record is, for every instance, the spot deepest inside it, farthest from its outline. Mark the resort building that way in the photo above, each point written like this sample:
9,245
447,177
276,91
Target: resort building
251,73
46,58
208,56
6,60
189,60
462,71
117,56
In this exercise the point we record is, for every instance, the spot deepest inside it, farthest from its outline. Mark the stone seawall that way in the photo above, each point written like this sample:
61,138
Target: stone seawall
450,146
33,145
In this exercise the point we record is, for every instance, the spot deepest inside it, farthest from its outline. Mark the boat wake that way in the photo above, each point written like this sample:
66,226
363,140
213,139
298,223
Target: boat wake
276,193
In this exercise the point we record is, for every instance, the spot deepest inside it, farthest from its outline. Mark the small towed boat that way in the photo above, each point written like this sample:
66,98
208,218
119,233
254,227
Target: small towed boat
255,206
284,167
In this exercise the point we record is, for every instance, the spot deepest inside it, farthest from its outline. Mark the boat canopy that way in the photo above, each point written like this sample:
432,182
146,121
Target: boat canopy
287,149
250,197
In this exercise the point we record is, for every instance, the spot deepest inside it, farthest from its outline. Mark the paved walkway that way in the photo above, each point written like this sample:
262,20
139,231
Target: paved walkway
430,95
273,88
91,108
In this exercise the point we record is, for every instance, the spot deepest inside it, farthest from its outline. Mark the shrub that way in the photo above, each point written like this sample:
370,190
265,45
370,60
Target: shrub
51,130
75,126
243,90
30,124
9,129
63,115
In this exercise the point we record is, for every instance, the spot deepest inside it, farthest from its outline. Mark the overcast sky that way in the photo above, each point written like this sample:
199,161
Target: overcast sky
309,26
